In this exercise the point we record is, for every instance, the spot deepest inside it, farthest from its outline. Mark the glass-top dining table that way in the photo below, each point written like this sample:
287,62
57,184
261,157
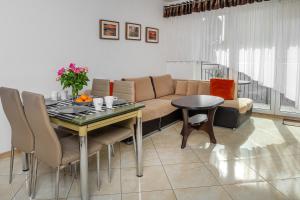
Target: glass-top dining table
90,120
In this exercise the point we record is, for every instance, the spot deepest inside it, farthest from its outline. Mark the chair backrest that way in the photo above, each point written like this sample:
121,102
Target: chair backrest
22,137
47,145
100,87
124,90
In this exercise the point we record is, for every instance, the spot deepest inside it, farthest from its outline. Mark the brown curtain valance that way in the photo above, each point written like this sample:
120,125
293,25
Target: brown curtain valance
189,7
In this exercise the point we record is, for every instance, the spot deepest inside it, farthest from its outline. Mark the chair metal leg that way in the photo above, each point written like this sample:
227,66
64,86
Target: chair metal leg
112,150
75,171
31,156
109,162
134,143
98,170
33,187
12,157
57,184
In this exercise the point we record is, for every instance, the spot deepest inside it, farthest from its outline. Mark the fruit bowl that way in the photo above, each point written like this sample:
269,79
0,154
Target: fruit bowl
83,100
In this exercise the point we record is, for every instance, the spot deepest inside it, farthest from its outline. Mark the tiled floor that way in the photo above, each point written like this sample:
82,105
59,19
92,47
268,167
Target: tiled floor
259,160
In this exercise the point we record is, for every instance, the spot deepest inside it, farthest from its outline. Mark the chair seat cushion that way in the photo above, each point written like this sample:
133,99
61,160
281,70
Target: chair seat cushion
171,97
156,108
241,104
71,151
111,134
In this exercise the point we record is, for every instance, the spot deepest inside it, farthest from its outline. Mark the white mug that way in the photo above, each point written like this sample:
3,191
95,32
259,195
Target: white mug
54,95
98,102
109,101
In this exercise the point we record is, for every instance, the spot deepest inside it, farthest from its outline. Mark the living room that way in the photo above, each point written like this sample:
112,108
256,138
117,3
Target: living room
175,99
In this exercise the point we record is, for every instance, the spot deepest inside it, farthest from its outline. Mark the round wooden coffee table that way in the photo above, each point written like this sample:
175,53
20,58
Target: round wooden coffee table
206,103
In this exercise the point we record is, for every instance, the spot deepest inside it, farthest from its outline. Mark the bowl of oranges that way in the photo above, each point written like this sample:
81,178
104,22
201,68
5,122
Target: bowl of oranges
84,100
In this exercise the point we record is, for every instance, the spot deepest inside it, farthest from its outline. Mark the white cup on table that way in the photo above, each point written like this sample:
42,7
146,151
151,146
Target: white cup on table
109,100
98,102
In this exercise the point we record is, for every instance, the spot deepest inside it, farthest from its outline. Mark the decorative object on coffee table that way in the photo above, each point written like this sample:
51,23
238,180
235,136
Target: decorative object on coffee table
73,77
201,103
109,30
133,31
152,35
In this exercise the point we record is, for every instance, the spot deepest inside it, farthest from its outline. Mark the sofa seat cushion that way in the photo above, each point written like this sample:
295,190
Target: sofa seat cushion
171,97
241,104
143,88
163,85
156,108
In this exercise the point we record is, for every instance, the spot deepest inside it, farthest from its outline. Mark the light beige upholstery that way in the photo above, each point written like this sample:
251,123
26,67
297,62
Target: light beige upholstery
171,97
124,90
203,88
163,85
156,108
22,136
143,88
192,88
241,104
100,88
48,147
112,134
181,87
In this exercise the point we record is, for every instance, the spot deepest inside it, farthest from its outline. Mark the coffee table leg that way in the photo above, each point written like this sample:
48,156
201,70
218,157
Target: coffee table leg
186,130
208,126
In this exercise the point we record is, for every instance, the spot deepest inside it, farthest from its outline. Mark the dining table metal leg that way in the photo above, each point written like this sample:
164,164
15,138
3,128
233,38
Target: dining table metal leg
83,164
139,144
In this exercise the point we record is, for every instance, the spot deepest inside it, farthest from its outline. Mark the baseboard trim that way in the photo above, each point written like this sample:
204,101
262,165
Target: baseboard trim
7,154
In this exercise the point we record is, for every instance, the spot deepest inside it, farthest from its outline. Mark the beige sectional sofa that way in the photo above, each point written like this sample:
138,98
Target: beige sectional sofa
157,92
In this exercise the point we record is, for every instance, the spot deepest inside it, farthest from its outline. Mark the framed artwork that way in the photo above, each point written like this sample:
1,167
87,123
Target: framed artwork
109,30
152,35
133,31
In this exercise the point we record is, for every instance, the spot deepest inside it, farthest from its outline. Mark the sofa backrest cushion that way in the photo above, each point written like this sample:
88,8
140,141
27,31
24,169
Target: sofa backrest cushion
203,88
222,88
143,88
192,88
163,85
181,87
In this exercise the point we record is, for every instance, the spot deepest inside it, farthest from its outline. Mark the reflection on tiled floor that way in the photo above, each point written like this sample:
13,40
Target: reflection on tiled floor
259,160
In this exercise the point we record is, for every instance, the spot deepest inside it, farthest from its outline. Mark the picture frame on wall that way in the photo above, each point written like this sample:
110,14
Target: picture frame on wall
133,31
152,35
109,30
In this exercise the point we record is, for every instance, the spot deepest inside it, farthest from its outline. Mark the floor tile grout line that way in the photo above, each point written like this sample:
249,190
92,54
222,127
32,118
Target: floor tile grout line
164,169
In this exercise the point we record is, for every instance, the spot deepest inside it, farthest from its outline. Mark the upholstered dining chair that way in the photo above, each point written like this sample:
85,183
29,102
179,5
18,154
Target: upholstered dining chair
100,87
57,153
22,137
112,134
121,131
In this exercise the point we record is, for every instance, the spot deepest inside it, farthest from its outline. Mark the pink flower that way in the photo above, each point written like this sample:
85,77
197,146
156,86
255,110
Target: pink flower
72,67
61,71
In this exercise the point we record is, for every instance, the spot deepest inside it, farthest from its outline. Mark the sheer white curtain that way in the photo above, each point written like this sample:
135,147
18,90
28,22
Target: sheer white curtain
261,40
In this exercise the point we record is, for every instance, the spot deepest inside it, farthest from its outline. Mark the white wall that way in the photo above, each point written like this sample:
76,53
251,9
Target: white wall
36,37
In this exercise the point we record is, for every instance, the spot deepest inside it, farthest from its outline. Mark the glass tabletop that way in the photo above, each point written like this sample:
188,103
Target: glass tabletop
92,115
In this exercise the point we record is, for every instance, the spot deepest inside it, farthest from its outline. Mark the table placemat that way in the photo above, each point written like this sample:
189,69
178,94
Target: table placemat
53,110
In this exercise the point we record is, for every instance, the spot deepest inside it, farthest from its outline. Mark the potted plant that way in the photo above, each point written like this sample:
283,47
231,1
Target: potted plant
73,77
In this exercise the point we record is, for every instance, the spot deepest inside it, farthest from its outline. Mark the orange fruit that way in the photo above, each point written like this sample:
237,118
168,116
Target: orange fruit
78,100
84,97
89,99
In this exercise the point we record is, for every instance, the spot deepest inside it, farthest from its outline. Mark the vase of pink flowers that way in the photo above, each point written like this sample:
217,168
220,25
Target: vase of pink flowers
74,77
